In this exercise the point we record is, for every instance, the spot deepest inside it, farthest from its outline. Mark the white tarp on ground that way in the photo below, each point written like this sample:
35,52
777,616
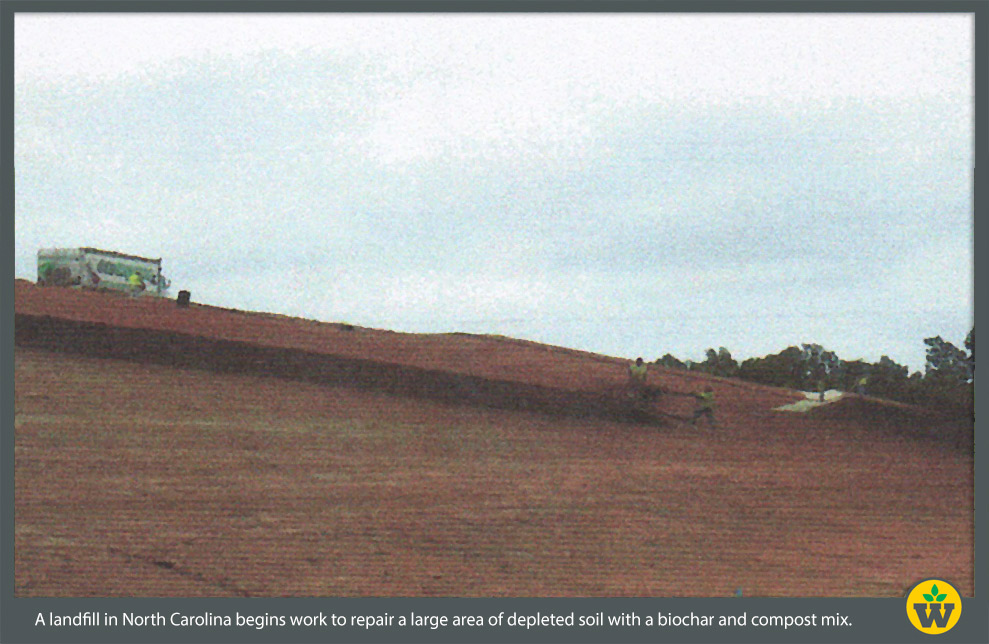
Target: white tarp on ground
813,400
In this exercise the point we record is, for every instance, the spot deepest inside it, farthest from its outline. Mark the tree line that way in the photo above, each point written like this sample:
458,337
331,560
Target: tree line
946,383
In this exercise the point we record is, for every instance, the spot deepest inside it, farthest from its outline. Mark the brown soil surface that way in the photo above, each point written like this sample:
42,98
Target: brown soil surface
162,451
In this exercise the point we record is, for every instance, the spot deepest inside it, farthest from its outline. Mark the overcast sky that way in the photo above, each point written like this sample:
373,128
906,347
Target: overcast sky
630,184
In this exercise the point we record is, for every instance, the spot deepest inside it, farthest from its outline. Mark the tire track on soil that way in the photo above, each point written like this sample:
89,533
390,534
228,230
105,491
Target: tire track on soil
221,583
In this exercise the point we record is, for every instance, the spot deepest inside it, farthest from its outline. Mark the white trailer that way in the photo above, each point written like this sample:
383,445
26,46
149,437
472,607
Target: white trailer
99,269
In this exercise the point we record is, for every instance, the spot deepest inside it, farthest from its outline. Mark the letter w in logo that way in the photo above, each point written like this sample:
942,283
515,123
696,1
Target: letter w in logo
935,616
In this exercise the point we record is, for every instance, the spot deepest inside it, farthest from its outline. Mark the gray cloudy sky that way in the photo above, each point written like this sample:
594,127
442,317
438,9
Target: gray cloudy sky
630,184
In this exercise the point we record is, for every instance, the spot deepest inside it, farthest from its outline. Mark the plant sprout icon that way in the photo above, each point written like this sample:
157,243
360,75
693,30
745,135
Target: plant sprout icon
934,596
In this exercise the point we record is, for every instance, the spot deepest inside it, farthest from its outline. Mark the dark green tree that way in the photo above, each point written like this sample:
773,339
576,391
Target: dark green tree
850,373
821,365
889,379
783,369
949,374
671,361
718,363
946,361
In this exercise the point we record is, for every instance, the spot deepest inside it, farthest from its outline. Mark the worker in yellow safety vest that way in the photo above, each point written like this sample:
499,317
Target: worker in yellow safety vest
705,405
637,374
637,371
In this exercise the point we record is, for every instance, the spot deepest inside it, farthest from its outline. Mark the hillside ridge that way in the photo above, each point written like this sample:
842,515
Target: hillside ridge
489,370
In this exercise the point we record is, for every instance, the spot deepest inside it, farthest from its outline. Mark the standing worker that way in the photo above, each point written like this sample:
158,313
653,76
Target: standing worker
860,387
637,373
705,405
136,283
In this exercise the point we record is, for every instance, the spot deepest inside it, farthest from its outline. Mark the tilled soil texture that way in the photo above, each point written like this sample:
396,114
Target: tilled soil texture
138,475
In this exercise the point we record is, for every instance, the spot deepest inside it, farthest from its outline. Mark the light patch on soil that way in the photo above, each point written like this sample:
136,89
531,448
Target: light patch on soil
813,400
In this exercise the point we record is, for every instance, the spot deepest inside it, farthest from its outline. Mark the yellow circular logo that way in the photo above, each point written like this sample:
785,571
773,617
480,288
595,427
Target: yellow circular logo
934,606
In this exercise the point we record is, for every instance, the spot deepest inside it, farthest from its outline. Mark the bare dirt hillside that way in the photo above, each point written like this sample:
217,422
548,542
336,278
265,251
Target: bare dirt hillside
162,451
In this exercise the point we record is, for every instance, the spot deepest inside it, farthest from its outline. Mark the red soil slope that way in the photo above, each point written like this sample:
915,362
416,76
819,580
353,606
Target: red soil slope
143,475
485,357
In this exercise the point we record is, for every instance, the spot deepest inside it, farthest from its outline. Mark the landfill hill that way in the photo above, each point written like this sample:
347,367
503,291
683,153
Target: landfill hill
201,451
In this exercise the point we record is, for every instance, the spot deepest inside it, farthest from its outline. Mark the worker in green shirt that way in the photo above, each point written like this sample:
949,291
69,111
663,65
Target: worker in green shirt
705,405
